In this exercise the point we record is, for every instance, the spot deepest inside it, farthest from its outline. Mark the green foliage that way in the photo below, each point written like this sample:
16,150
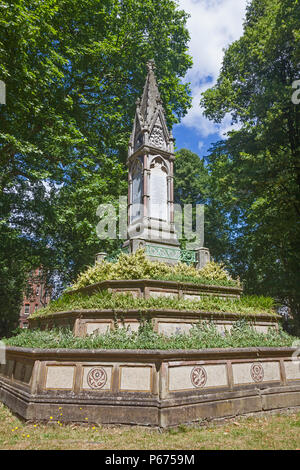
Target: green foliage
192,186
73,71
201,336
247,305
137,266
255,173
190,178
13,271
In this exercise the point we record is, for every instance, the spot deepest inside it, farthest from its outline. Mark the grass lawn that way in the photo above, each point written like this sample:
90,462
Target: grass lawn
273,432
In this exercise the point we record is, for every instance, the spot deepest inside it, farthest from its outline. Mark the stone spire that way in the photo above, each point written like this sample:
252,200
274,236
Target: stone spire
151,97
150,178
150,127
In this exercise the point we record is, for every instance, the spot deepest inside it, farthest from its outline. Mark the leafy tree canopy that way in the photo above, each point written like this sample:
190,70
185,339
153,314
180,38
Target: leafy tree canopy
256,171
193,185
73,70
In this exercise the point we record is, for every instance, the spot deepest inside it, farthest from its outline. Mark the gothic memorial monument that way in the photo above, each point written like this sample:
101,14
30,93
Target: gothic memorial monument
150,182
150,387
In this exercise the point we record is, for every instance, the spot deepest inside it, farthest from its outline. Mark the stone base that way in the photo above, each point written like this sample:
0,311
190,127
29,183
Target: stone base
149,388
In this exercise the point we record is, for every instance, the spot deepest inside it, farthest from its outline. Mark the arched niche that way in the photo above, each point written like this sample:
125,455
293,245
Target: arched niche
136,190
158,189
138,141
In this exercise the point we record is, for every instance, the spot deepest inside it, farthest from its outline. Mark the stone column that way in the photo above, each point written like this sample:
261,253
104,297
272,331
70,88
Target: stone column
171,196
99,258
129,196
202,256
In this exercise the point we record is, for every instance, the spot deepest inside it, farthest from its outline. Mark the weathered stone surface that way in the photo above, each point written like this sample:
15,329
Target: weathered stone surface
276,401
171,328
99,327
130,325
292,369
59,377
207,411
135,378
156,294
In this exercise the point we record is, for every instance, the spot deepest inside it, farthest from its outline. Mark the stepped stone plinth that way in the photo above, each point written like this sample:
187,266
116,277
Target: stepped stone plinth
165,320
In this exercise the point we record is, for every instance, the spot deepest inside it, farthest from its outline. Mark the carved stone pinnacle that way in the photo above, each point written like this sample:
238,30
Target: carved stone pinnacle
151,65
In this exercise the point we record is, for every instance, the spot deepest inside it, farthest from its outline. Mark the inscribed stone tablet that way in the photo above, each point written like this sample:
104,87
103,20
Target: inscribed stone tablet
158,193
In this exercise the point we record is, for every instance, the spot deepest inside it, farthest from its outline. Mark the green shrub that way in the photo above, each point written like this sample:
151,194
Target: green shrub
137,266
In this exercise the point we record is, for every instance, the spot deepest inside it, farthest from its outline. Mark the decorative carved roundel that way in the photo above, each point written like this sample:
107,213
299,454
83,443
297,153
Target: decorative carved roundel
97,378
198,376
257,372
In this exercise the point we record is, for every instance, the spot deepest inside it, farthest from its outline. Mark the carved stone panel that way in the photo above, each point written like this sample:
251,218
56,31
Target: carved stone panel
197,377
157,137
256,372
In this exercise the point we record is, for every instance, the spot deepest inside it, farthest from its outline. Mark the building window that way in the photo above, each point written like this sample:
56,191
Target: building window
27,309
36,307
37,290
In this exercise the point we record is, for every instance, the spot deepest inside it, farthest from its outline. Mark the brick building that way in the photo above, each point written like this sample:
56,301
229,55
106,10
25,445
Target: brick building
37,295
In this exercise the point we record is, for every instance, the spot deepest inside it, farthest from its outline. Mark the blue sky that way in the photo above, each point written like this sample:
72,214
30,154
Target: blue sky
213,25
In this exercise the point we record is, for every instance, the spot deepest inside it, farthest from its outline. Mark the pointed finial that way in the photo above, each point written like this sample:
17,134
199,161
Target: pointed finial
151,65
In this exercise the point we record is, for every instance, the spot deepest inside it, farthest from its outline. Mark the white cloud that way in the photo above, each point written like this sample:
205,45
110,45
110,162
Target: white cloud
213,25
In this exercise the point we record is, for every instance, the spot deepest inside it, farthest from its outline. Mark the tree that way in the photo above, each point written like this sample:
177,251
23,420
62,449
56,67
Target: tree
193,185
256,171
73,71
13,270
